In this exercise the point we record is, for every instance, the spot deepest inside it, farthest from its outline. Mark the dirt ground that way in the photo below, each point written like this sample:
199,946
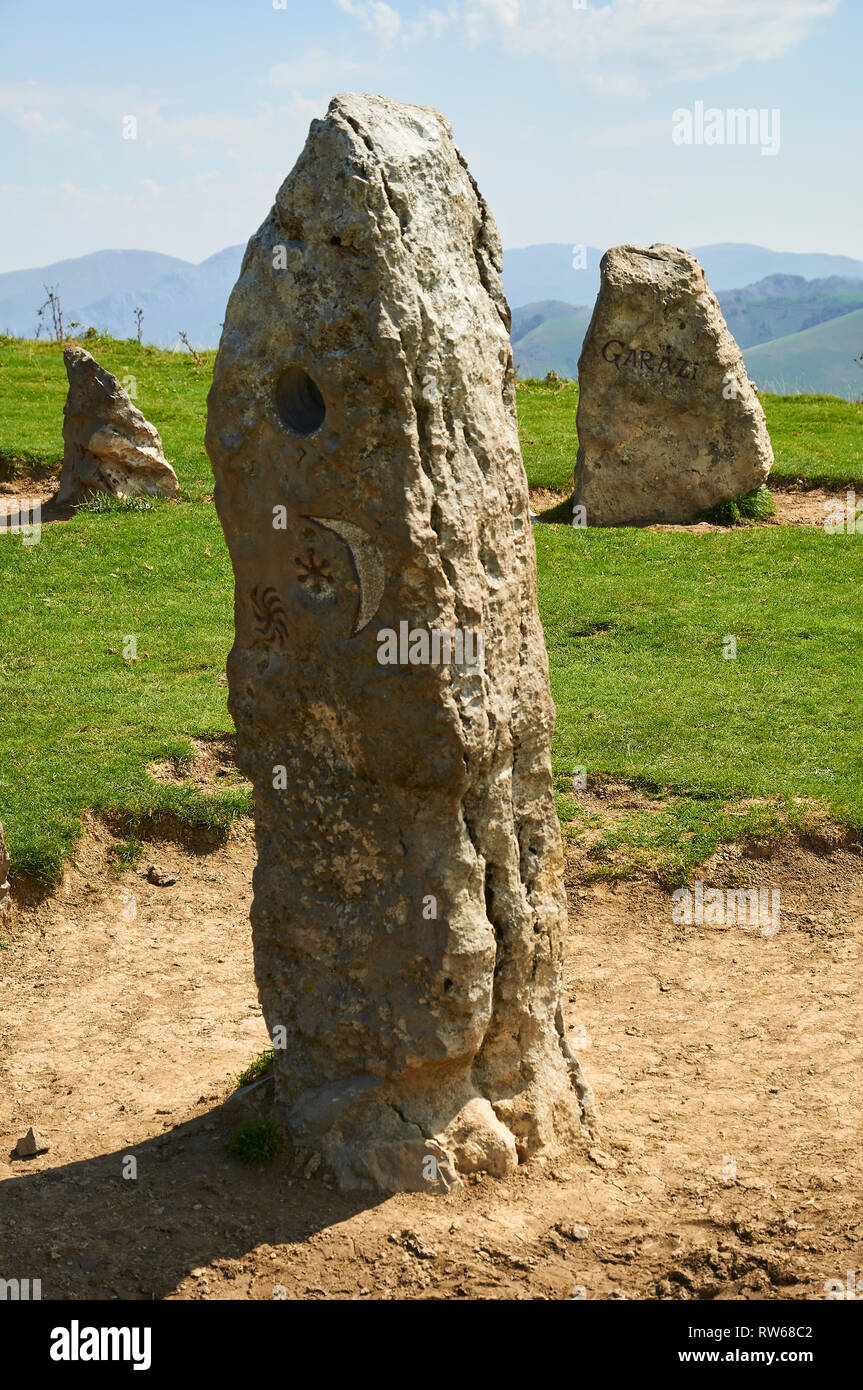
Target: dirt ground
807,507
793,508
727,1067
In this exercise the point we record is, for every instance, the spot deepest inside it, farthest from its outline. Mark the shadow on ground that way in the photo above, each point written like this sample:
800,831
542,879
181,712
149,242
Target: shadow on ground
88,1232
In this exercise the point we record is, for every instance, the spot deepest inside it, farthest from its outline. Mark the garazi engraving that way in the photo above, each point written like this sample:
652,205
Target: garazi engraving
641,360
270,617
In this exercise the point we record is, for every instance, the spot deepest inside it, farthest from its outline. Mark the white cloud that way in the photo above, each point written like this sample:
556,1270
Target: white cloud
628,135
624,46
191,182
382,19
37,121
33,106
314,68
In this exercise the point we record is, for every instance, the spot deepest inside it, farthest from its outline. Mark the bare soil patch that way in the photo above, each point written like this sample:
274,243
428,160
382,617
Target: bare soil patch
793,508
212,764
33,483
727,1068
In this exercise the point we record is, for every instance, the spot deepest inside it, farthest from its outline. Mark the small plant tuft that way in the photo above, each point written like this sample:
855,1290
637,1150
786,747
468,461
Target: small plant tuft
257,1141
258,1068
126,854
101,502
745,510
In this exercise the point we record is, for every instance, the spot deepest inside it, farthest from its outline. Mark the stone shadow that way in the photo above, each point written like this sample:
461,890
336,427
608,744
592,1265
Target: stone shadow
88,1232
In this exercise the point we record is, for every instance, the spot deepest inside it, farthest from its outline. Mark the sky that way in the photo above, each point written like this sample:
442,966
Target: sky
568,112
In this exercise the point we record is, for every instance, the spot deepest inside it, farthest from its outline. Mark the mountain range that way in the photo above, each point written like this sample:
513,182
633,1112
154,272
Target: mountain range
797,334
798,316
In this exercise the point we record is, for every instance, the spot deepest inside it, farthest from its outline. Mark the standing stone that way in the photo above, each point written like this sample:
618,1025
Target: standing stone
109,445
409,903
668,421
4,877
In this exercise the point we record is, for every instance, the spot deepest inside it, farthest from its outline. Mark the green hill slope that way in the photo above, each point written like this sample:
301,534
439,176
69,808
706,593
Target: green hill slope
818,360
555,345
786,304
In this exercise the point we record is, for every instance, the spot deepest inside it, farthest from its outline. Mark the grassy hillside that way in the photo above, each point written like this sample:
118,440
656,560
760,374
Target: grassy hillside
785,304
634,622
171,390
554,345
80,723
820,359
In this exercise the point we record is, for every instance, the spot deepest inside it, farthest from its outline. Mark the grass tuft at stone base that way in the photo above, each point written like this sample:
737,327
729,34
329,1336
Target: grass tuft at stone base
745,510
257,1141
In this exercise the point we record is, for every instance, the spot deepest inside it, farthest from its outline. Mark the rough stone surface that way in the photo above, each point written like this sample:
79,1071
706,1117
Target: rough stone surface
109,446
668,421
31,1144
162,877
408,895
4,877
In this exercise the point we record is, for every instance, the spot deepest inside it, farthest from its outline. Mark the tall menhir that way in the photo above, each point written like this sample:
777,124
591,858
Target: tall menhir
409,903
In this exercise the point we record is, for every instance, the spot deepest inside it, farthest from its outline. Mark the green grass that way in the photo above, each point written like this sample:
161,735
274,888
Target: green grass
547,433
816,439
257,1141
125,855
634,621
170,391
635,624
259,1067
671,838
79,723
753,506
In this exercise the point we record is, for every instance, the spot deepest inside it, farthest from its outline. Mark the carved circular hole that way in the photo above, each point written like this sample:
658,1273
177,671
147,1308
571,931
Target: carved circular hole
299,403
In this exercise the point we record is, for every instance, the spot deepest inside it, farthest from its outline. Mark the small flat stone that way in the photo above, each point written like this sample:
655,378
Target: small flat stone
602,1159
31,1144
162,878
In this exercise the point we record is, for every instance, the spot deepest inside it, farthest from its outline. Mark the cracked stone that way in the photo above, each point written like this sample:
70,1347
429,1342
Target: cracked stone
409,903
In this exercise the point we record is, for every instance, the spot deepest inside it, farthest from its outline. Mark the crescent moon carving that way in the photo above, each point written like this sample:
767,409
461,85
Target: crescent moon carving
368,564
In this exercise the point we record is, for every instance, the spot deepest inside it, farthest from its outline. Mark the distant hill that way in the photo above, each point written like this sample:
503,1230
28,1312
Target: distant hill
531,316
769,298
784,304
818,360
552,341
535,273
104,289
729,265
785,310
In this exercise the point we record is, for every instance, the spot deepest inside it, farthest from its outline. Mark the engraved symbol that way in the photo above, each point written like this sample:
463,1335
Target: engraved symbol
314,572
368,564
270,618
